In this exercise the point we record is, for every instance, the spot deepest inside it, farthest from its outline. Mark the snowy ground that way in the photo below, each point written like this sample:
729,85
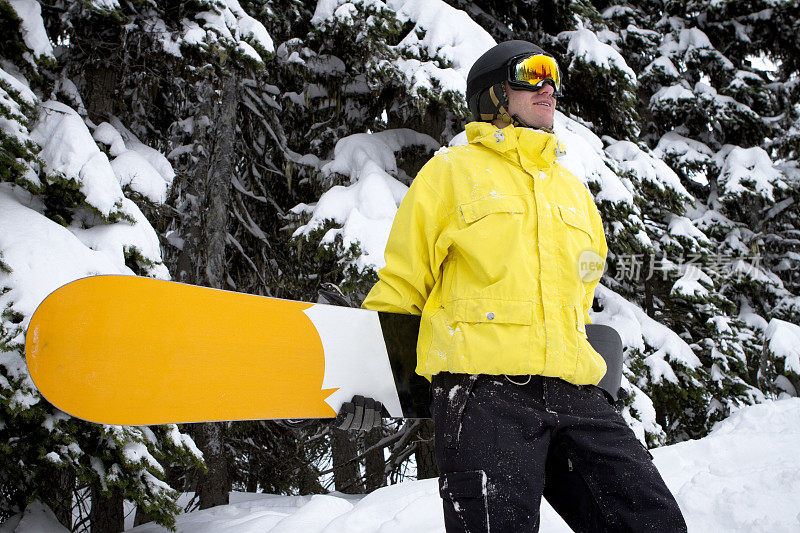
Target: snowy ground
744,477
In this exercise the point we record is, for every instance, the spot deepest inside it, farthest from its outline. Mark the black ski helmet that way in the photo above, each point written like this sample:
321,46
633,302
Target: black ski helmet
486,94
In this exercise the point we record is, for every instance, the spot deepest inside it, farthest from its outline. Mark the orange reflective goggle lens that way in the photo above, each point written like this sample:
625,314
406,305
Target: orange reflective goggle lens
533,72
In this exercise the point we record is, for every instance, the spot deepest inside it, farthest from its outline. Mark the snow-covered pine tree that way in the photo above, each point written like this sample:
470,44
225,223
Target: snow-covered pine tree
177,72
66,213
761,39
708,115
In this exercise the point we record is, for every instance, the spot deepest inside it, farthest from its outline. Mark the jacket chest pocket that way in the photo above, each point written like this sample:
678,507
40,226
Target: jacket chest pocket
578,229
476,210
489,244
489,223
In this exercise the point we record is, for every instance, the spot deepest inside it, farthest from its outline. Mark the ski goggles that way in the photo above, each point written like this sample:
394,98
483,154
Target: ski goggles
532,72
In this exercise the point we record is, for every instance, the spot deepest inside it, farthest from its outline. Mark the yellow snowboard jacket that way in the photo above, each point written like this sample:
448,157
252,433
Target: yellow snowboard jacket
485,246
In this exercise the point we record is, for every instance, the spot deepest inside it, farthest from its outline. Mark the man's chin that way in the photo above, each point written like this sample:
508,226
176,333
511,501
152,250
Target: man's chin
542,125
541,122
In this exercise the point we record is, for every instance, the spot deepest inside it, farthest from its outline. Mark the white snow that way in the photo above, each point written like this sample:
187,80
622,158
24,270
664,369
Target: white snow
689,285
133,171
37,518
725,105
227,22
13,123
17,85
644,422
170,41
584,45
68,149
692,38
687,152
636,328
116,239
364,209
673,93
748,170
156,159
33,32
421,75
743,477
42,255
681,226
783,340
138,167
449,33
440,31
105,5
750,317
250,28
586,160
632,158
664,64
106,133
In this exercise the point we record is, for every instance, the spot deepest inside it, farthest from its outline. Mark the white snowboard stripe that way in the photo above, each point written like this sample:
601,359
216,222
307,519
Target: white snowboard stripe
356,361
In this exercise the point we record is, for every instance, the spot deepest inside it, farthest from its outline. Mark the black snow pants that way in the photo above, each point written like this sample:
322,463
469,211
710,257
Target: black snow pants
500,447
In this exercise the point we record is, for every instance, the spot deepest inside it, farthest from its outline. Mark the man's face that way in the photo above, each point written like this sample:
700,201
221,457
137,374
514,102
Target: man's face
537,108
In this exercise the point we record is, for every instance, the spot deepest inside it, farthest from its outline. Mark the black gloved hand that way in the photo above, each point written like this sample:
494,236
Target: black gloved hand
359,414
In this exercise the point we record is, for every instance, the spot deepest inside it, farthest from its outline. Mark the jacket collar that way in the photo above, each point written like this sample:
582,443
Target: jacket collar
517,143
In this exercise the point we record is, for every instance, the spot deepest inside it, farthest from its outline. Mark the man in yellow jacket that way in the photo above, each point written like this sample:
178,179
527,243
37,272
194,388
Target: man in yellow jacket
486,246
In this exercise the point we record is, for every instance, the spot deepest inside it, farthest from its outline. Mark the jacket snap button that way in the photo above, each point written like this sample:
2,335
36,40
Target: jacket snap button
490,316
499,136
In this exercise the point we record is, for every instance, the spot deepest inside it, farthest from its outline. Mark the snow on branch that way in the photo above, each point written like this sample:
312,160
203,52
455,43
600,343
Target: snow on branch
585,158
33,32
783,340
364,209
646,167
446,32
637,329
69,150
748,171
584,45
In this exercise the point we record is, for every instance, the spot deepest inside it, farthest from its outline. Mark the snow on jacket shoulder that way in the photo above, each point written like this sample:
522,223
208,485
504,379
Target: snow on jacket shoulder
486,247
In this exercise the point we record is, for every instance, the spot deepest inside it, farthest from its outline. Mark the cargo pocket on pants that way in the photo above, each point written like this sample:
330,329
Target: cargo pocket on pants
466,507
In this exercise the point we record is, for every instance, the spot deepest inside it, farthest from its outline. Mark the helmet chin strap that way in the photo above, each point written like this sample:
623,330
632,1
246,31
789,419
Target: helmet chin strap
518,122
502,106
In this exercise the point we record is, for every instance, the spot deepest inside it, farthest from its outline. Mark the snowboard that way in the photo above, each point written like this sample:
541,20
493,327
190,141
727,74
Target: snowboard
128,350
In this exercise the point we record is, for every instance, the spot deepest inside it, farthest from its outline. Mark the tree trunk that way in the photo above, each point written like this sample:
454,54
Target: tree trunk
102,84
222,165
308,481
375,463
346,473
425,456
142,517
214,486
215,176
106,515
59,497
